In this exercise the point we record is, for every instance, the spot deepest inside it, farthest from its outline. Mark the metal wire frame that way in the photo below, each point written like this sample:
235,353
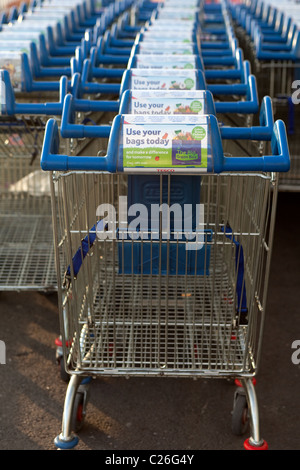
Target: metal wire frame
27,260
26,252
276,79
180,325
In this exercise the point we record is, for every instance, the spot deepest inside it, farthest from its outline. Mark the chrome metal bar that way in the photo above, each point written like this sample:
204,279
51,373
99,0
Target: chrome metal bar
66,433
255,438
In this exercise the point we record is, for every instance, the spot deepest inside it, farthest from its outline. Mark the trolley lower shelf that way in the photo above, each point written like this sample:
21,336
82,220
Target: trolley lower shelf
156,325
26,252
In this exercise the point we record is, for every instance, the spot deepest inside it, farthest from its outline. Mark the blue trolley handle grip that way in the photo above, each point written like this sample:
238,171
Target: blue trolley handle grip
279,161
114,41
47,109
86,105
269,55
69,129
40,71
91,87
108,48
100,72
234,89
52,161
263,132
229,73
104,58
29,84
249,106
13,15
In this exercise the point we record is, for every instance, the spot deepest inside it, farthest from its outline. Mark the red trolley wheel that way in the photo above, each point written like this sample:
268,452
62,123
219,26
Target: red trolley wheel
238,383
248,446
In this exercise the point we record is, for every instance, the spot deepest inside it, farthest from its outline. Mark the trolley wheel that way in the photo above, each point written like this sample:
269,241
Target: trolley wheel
78,413
249,446
240,415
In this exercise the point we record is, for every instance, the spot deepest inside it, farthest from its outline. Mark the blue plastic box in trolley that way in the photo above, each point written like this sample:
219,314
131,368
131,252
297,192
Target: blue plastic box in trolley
161,145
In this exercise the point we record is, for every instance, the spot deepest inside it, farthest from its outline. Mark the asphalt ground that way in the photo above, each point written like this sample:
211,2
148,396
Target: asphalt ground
153,413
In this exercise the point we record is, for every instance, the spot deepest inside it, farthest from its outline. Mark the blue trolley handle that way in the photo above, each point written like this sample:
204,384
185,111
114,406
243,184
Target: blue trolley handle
13,15
240,88
109,49
115,41
250,106
69,129
76,88
104,58
100,72
293,54
52,161
230,73
263,132
40,71
73,101
47,60
47,109
29,84
92,87
279,161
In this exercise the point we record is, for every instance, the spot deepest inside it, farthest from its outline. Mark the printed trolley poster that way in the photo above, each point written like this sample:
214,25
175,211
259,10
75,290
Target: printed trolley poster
166,145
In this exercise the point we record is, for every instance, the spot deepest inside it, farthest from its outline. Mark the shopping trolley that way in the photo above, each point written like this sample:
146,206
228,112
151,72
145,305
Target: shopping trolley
234,90
81,131
145,298
166,102
27,259
27,255
274,57
54,35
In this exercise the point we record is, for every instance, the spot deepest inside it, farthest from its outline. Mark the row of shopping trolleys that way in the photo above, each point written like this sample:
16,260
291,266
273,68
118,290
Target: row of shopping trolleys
160,110
269,34
31,91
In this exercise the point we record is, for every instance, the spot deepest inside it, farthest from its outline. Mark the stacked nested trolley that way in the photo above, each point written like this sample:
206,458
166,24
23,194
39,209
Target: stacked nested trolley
163,236
27,255
269,33
37,45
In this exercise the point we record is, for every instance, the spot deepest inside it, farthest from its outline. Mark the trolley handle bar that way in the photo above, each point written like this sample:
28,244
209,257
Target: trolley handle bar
70,129
48,109
91,87
293,54
263,132
279,161
249,106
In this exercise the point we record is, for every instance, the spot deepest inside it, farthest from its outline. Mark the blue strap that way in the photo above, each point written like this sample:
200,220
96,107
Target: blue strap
240,268
88,120
86,245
